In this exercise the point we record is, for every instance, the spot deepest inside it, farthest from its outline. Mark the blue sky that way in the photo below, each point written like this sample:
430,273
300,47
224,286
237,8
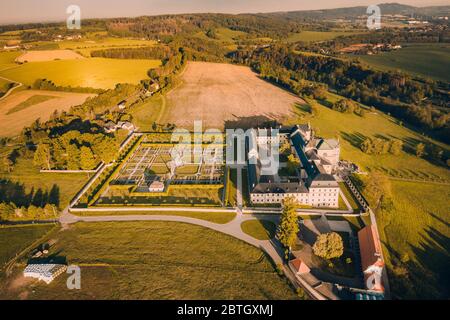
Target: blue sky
18,11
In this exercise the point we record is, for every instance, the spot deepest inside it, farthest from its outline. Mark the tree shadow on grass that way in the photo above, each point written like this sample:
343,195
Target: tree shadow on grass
355,139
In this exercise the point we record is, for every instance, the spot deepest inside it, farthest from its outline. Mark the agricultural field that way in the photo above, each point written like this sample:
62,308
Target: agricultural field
93,72
22,108
28,175
424,60
224,95
13,239
48,55
315,36
124,261
86,46
7,59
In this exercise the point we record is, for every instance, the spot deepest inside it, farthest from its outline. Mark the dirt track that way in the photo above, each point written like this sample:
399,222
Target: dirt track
224,95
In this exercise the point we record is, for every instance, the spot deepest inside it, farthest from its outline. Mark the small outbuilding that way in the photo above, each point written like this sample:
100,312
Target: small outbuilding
156,186
299,267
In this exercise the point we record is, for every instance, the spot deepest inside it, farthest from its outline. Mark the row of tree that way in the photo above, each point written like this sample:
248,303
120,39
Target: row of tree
74,150
380,146
10,212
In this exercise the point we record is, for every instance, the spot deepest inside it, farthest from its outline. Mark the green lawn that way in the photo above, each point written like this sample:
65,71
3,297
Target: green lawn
26,173
259,229
417,232
311,36
232,188
216,217
160,260
93,72
31,101
14,239
425,60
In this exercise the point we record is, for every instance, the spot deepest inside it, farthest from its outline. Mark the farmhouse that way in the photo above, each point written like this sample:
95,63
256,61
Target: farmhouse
312,185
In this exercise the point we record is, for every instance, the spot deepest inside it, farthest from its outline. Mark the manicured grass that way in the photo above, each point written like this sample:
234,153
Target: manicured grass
30,102
93,72
417,231
311,36
216,217
425,60
160,260
13,239
26,173
232,188
259,229
176,196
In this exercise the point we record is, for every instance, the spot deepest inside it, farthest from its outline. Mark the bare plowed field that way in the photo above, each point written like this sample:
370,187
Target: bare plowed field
15,121
224,95
48,55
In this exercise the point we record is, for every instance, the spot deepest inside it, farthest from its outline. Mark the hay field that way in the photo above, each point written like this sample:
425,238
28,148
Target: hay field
21,116
224,95
93,72
48,55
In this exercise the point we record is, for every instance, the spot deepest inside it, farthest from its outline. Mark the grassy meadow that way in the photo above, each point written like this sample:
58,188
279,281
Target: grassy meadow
424,60
417,238
27,174
313,36
93,72
13,239
158,260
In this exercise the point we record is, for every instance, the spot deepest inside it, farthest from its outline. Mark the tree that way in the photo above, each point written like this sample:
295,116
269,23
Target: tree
42,156
87,159
396,147
420,150
285,147
288,229
292,164
329,246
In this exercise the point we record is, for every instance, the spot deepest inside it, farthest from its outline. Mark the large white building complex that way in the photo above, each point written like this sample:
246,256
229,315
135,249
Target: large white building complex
312,184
